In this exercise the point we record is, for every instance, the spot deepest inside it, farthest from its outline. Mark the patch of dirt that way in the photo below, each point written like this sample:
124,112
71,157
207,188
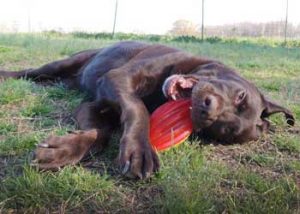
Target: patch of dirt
242,156
101,164
294,130
2,138
62,113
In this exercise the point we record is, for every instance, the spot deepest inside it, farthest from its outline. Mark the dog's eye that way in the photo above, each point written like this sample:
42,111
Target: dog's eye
242,95
240,98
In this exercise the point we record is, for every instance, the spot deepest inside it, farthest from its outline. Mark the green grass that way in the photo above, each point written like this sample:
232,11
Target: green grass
68,189
257,177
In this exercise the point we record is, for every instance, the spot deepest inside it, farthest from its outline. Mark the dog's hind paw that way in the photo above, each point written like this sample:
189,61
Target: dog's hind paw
58,151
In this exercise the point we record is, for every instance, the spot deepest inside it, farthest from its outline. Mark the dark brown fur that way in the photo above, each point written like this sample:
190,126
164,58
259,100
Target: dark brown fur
126,81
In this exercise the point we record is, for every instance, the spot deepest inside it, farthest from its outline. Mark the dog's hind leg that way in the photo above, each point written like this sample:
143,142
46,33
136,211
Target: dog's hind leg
58,70
96,124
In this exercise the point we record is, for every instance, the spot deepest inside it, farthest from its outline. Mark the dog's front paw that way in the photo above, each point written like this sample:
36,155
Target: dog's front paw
137,159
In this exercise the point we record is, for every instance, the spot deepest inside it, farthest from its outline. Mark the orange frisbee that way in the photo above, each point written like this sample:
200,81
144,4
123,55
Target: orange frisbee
170,124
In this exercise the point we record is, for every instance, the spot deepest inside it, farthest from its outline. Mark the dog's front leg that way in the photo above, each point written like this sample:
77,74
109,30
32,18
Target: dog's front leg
136,157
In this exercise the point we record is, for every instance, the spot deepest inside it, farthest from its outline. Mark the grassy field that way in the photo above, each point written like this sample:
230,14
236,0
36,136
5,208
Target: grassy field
257,177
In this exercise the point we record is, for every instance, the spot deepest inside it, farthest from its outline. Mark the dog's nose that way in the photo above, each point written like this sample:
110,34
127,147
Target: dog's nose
208,106
205,109
207,102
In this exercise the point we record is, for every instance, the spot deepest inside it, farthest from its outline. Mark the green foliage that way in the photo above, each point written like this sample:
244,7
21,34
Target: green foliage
71,188
194,184
13,91
197,39
73,98
4,49
264,159
6,128
19,143
37,105
288,143
253,193
189,181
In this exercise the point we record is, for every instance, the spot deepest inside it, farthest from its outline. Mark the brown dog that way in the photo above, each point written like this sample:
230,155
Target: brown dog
128,80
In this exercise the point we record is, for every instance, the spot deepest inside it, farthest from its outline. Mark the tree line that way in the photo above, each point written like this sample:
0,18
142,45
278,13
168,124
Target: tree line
245,29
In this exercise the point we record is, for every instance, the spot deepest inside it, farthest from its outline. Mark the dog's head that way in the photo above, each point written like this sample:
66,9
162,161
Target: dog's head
225,106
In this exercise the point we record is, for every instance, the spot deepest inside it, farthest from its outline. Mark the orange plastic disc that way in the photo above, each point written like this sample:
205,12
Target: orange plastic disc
170,124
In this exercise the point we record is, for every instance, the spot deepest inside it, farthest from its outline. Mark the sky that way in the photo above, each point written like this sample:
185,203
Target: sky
138,16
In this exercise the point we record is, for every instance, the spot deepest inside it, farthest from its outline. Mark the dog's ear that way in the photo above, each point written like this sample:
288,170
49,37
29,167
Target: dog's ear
272,108
176,85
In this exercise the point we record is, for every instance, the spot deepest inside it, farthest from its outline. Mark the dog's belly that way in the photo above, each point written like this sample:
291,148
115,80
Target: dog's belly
107,59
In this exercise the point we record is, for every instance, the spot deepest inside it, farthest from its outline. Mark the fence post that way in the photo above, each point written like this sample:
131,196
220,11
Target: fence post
286,20
115,20
202,25
29,17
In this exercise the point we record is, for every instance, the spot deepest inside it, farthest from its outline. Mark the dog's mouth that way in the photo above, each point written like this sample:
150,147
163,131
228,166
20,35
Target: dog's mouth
203,107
